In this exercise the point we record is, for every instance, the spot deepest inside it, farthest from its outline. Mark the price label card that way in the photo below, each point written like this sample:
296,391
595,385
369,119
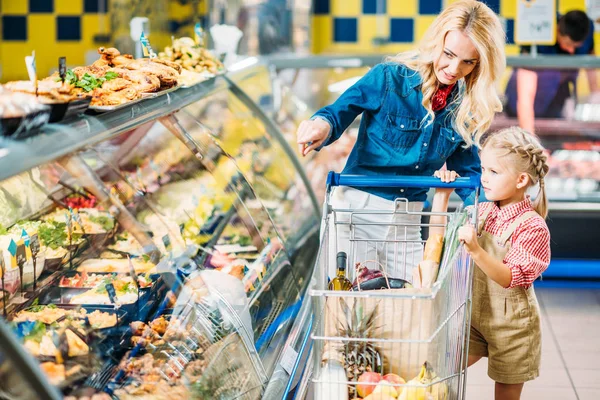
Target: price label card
21,255
133,274
199,34
146,48
35,245
536,22
112,293
31,67
166,241
62,68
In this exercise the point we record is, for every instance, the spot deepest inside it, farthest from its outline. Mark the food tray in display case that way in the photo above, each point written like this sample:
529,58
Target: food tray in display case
103,109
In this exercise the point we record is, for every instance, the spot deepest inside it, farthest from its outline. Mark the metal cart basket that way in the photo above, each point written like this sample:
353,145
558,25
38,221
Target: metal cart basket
420,335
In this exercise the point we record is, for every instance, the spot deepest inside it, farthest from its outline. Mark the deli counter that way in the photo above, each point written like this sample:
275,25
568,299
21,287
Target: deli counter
161,250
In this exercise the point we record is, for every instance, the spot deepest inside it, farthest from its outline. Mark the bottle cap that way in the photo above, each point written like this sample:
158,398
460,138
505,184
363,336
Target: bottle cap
341,260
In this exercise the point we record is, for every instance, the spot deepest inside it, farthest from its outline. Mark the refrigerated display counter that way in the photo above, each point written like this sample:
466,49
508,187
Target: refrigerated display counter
159,251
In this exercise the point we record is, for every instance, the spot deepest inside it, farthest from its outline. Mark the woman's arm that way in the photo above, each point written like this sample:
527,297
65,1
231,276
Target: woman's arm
368,94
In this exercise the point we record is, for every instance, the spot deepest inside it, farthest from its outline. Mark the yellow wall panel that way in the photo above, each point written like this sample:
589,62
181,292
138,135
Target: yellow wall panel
68,7
14,53
346,8
508,8
321,33
568,5
402,8
511,50
369,28
422,23
179,11
12,7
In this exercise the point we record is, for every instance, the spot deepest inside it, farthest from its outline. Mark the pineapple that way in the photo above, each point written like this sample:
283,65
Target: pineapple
358,356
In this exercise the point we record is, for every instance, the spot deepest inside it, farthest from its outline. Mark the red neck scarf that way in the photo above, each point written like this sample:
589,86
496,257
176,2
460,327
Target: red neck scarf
438,101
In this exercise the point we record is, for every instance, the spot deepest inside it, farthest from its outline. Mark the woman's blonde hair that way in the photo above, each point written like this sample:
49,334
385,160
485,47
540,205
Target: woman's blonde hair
527,155
479,101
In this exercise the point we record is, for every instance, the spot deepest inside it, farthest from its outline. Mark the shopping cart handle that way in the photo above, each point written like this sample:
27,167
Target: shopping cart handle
393,181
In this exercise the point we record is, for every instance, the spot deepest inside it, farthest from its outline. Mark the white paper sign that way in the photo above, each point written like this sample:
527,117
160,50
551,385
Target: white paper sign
536,22
288,360
593,11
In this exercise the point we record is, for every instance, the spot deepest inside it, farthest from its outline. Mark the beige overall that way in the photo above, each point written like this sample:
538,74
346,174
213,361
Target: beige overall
505,323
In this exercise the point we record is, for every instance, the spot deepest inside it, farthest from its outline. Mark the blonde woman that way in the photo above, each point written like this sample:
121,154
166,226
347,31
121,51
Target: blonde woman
420,110
511,249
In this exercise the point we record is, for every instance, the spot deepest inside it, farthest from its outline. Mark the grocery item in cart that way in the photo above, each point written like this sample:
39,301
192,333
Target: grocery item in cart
340,282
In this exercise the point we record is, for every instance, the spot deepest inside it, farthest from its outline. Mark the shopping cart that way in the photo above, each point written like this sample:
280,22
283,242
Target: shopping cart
420,335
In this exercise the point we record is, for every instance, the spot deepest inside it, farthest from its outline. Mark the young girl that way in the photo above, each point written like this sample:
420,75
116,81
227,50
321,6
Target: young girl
511,248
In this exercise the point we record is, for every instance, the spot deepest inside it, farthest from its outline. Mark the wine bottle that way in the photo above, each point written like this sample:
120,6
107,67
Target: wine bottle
340,282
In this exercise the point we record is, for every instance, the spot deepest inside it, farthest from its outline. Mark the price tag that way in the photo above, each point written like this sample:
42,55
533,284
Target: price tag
62,68
146,48
21,255
31,67
199,34
133,274
12,249
166,241
27,241
35,245
112,293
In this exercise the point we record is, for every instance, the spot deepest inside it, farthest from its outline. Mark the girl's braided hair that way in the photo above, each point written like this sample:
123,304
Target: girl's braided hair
528,156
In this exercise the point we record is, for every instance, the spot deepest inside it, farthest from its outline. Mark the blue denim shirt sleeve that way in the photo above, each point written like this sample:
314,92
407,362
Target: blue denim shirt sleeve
465,162
366,94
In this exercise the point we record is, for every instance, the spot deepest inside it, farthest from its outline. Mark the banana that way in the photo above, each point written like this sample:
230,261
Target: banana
422,386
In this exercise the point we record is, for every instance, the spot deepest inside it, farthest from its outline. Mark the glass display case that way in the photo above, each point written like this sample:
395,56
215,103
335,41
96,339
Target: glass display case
161,250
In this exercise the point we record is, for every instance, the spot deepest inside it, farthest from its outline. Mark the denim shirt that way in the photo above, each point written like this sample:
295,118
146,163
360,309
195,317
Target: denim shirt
394,137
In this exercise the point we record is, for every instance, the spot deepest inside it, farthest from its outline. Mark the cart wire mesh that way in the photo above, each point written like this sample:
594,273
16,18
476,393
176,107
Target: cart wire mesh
420,335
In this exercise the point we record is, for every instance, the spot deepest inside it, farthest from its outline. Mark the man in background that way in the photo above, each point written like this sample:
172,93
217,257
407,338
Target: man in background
542,93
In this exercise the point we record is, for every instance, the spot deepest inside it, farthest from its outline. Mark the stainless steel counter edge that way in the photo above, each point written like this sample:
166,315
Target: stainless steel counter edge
58,140
282,61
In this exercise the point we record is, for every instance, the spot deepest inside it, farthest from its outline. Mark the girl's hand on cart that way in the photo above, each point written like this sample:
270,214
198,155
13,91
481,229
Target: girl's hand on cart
312,134
446,177
468,236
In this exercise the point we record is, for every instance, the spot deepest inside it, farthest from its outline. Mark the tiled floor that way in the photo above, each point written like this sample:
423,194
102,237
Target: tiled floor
570,350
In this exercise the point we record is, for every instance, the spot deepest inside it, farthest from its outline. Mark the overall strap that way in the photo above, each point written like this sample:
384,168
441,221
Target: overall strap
483,219
514,225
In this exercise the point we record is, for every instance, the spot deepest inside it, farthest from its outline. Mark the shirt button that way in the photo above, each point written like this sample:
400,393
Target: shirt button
425,144
452,138
401,190
416,167
402,126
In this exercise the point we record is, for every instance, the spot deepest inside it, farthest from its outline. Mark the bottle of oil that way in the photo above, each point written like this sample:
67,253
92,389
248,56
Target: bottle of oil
340,282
